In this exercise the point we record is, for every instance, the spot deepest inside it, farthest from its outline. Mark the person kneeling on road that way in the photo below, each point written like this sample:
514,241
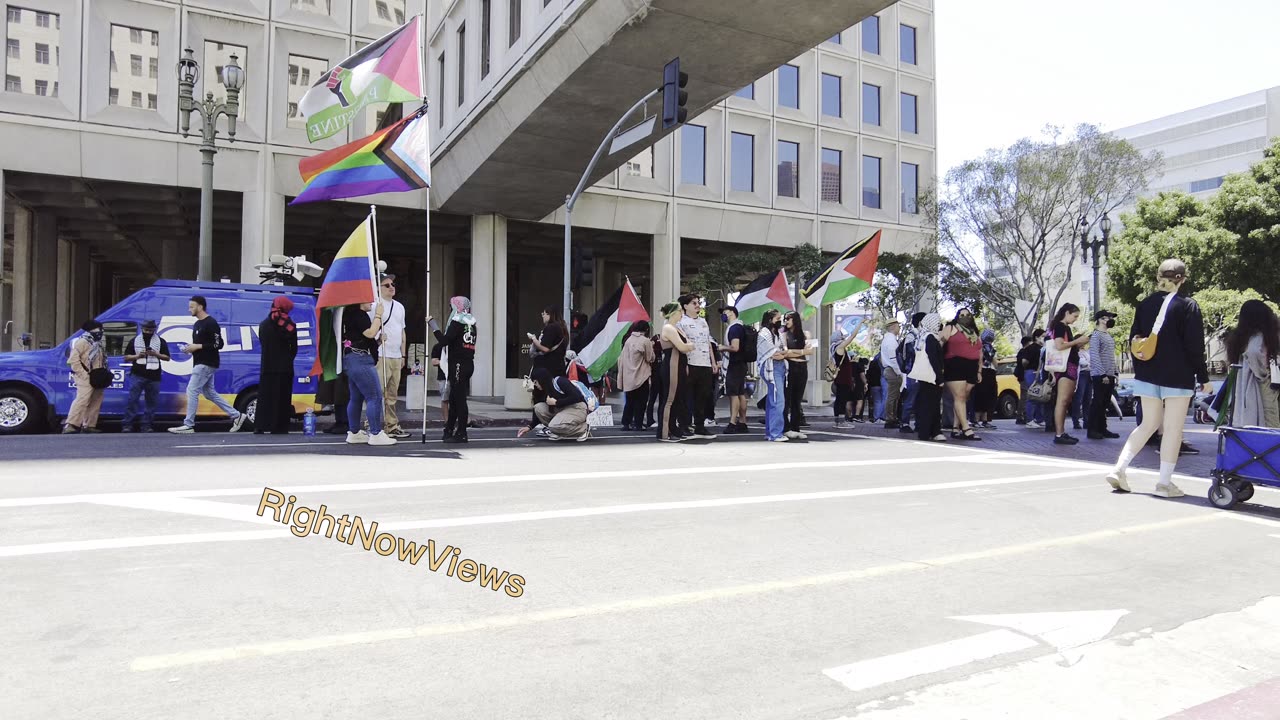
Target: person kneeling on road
564,412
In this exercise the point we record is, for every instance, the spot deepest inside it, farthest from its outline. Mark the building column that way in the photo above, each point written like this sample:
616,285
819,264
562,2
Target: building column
665,267
21,274
170,258
66,308
82,305
261,231
44,280
489,302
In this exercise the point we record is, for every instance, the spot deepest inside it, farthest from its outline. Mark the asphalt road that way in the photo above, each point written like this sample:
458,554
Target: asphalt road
860,577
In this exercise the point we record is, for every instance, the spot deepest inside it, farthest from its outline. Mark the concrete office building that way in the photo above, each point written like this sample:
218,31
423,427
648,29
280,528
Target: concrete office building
823,142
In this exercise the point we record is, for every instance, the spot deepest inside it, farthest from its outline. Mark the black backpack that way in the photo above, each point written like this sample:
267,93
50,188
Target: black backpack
906,355
750,341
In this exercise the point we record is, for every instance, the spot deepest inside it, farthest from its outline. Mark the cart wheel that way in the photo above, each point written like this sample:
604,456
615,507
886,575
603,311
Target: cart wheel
1244,490
1223,495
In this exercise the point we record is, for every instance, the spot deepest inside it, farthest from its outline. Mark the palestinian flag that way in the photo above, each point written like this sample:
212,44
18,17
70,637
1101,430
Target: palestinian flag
351,280
765,293
850,273
601,340
386,71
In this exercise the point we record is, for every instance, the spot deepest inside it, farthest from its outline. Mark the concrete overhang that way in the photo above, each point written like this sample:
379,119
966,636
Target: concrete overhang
524,151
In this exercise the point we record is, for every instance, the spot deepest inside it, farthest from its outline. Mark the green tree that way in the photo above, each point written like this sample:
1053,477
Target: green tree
903,282
1220,310
728,274
1248,206
1169,225
1008,220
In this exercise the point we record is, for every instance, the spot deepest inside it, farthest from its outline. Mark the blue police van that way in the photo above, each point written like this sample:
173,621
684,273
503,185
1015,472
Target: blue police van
36,387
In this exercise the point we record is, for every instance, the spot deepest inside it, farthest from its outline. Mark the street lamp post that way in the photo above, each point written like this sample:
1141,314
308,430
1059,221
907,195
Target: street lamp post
233,78
1097,246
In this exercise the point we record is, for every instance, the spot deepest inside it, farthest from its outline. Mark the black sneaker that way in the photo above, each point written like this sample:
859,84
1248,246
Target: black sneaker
1065,439
906,429
703,432
1110,435
1096,436
892,426
1187,449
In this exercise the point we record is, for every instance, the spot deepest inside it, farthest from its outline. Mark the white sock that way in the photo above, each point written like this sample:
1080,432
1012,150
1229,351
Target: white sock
1166,472
1126,457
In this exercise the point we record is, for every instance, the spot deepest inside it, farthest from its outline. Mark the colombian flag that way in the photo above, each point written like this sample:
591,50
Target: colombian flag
350,281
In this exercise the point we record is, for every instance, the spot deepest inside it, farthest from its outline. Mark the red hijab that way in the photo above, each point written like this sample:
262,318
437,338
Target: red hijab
280,309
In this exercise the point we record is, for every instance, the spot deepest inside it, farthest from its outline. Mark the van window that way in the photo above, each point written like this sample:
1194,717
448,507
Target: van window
118,336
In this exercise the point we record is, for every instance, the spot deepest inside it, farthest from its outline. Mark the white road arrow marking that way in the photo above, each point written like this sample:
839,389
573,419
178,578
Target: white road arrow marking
1062,630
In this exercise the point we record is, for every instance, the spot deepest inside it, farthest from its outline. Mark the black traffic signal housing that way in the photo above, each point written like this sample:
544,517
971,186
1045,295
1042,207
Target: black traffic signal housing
583,264
674,96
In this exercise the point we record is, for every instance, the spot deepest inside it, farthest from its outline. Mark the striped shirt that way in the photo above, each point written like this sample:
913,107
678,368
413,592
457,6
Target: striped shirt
1102,354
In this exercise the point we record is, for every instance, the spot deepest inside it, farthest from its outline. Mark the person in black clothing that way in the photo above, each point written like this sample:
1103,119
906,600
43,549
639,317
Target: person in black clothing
278,337
929,398
360,363
459,337
874,398
149,350
797,374
658,384
548,349
442,380
1165,380
1028,359
206,340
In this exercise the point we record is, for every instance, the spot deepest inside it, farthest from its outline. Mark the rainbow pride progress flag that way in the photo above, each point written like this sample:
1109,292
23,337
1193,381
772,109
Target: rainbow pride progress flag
394,159
350,281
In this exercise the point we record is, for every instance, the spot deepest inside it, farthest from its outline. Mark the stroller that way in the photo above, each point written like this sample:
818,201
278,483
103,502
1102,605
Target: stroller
1246,456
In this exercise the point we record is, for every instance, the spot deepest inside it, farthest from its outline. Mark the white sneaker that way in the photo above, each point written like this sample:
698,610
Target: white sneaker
380,439
1033,425
586,435
238,422
1168,490
784,438
939,438
791,435
182,429
1118,481
357,438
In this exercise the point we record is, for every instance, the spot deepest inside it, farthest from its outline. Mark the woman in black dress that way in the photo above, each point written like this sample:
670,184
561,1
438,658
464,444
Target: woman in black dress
797,374
278,338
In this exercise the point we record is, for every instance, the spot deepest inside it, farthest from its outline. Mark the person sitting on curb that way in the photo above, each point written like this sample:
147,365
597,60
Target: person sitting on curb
564,412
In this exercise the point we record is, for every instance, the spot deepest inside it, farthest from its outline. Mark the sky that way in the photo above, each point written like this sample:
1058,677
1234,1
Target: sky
1006,68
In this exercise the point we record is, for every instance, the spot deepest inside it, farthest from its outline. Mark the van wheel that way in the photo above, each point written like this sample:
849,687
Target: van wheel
1008,405
247,403
21,411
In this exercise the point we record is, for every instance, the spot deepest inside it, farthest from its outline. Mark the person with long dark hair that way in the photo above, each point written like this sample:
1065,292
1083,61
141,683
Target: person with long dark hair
771,363
278,338
929,349
1164,380
634,372
798,351
1254,344
1063,339
359,363
548,349
673,426
459,339
962,351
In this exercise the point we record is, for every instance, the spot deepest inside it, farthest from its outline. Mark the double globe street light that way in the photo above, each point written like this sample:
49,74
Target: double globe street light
233,77
1096,246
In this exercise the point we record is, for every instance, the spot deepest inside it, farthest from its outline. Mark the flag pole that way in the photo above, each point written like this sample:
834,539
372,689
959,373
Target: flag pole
375,278
426,285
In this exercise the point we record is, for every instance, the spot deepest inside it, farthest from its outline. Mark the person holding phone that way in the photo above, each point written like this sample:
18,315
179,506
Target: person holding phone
548,348
149,350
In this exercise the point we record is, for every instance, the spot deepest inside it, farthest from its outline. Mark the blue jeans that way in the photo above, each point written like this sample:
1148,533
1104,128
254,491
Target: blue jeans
1034,412
909,392
773,400
140,387
201,383
362,379
1084,397
877,401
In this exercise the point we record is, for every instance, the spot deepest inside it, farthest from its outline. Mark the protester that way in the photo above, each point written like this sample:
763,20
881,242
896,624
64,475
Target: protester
962,352
459,338
1028,373
1064,340
87,354
278,338
702,364
1254,344
1084,393
860,390
563,411
906,361
798,350
1104,373
673,423
393,346
360,364
440,361
840,357
735,378
206,337
548,348
1164,381
634,374
657,383
891,375
771,364
986,395
929,349
148,351
875,390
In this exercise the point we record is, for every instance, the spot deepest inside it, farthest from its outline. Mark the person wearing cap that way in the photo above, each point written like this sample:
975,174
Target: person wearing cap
1166,379
891,375
735,379
1104,371
148,351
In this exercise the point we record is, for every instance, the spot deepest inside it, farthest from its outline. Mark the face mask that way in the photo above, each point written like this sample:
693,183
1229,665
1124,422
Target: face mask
1111,322
724,317
777,323
95,334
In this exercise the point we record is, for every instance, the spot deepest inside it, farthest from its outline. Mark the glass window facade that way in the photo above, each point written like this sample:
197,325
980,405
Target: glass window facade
788,169
216,56
832,176
870,104
831,104
462,64
693,155
135,81
742,169
871,35
910,118
748,92
871,182
910,188
486,29
300,69
907,43
513,21
789,86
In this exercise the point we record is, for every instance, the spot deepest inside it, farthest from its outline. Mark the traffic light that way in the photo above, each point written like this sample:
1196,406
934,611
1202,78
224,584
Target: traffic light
587,272
673,95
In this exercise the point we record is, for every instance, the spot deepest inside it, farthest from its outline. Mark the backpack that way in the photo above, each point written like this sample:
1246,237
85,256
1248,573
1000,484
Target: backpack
906,354
750,343
588,397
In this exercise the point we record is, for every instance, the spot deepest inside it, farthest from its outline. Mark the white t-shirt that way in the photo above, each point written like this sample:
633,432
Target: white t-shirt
889,352
699,333
392,327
